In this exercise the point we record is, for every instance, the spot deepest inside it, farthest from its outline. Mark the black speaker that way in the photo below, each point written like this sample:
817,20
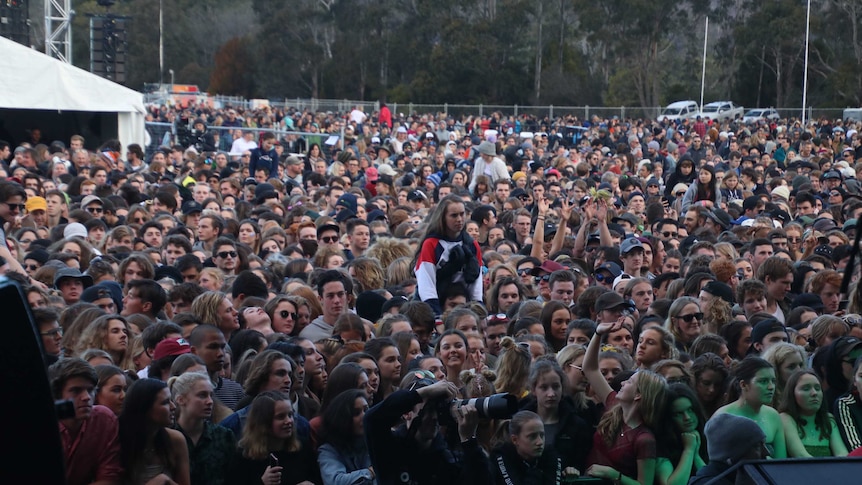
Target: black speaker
805,471
33,452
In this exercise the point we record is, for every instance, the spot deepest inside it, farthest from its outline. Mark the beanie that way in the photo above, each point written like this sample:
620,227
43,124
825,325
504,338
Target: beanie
369,305
729,437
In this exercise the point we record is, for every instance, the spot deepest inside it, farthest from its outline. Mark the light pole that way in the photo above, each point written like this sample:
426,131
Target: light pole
171,72
161,48
805,75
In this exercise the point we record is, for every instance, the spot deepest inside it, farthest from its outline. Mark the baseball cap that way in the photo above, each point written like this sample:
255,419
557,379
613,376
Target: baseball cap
611,300
629,245
611,267
171,346
191,207
36,204
547,267
89,200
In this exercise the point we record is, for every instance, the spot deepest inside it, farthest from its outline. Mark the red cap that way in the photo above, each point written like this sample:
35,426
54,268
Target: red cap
171,346
371,174
547,267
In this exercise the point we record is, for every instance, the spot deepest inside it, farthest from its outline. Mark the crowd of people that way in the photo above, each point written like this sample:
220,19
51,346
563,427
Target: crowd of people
661,299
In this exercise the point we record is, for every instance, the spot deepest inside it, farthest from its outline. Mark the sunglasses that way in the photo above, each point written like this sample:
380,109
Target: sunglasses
225,254
95,210
524,271
691,316
545,277
329,239
20,207
601,277
669,234
499,316
52,332
32,267
285,314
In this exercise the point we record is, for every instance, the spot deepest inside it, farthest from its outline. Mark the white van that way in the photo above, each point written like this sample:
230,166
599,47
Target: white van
679,110
854,114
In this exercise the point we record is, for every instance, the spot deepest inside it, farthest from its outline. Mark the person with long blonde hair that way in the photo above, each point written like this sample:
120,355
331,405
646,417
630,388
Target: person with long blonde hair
513,368
624,443
112,334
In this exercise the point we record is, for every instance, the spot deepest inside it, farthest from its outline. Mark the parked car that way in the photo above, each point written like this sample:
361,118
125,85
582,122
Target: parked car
679,110
720,111
758,114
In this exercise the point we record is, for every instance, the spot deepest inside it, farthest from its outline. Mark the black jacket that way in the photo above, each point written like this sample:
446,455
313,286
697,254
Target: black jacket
398,459
574,437
510,469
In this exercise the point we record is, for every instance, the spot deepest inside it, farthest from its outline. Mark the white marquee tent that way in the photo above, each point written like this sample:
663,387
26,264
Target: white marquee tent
33,81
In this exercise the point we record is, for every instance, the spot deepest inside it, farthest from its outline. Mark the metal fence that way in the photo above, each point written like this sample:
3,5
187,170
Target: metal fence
344,106
162,135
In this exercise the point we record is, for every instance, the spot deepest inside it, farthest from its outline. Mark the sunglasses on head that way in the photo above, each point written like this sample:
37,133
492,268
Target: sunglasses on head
691,316
285,314
225,254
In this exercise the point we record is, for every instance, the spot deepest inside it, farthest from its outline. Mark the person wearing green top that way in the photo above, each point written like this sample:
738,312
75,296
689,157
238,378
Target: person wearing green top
808,427
754,384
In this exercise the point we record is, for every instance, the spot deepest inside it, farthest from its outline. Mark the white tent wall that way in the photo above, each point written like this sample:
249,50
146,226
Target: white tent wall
31,80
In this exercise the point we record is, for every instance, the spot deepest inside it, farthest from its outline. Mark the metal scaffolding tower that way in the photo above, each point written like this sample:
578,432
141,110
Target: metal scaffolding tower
58,29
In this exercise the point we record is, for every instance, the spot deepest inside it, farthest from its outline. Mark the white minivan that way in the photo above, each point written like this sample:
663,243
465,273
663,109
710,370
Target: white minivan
679,110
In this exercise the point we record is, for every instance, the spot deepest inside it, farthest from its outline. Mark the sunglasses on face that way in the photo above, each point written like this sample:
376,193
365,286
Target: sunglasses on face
545,277
19,207
95,210
524,271
601,277
691,316
669,234
284,314
225,254
31,267
329,239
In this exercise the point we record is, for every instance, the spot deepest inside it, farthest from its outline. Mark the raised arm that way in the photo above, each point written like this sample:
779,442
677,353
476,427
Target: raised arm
591,360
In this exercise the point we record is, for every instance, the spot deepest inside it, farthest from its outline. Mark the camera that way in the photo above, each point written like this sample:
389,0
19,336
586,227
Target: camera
496,406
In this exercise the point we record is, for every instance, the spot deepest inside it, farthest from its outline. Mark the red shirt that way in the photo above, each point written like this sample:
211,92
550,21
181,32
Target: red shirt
633,445
94,453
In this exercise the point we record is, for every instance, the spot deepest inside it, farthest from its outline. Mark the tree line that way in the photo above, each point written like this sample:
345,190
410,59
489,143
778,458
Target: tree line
563,52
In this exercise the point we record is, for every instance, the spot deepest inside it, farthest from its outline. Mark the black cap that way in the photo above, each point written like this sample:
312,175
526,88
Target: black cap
191,207
611,300
764,328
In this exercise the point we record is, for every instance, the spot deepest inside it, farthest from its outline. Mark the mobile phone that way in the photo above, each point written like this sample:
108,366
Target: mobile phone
273,460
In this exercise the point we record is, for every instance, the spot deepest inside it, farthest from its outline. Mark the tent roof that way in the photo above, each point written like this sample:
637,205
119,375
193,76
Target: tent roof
32,80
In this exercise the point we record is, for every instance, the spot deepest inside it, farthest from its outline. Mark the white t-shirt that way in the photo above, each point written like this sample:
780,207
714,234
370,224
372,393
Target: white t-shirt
358,117
240,145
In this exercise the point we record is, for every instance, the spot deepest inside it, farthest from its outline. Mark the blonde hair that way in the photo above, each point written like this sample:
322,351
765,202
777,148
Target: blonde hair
399,271
205,307
653,390
95,336
215,274
388,249
513,367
